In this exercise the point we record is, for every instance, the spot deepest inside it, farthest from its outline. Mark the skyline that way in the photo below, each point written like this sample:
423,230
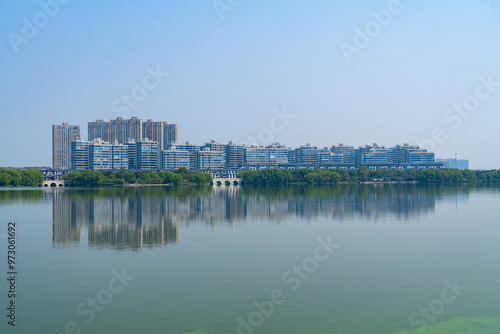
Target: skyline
148,130
227,79
115,144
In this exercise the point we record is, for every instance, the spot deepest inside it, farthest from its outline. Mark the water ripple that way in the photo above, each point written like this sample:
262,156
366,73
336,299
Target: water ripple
287,304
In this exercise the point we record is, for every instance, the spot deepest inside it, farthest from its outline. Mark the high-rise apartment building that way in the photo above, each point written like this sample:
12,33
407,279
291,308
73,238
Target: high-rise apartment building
347,152
256,155
362,150
292,157
400,154
173,159
234,155
163,133
210,160
124,130
375,156
327,157
147,155
422,156
119,157
132,154
277,153
307,154
80,154
193,152
98,155
62,136
170,133
99,129
259,157
214,145
154,131
118,129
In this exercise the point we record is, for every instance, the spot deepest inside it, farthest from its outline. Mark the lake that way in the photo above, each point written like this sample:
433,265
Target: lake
343,259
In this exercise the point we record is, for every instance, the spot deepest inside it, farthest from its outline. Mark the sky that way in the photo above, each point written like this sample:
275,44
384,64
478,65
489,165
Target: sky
322,72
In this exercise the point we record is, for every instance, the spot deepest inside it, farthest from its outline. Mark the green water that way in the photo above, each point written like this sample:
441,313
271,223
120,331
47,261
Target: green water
347,259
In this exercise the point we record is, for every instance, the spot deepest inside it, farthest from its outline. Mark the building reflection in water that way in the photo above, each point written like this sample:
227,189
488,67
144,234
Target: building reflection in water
112,222
136,218
64,228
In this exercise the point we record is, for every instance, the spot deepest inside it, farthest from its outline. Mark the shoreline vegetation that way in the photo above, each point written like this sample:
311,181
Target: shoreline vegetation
20,178
279,177
128,178
273,177
122,177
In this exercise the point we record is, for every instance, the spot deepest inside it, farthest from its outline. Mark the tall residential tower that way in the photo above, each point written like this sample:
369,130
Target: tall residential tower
124,130
62,136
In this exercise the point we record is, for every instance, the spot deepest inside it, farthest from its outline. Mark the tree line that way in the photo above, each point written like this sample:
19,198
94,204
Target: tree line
20,178
334,176
123,176
34,177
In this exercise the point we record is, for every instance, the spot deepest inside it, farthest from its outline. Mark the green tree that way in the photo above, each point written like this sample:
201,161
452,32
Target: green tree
5,179
92,178
363,173
15,177
73,177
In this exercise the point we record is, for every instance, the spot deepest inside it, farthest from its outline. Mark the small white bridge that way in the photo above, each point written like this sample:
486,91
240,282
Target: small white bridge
227,181
55,183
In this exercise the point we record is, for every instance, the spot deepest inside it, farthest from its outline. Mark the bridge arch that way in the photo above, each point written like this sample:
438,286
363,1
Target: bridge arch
224,181
55,183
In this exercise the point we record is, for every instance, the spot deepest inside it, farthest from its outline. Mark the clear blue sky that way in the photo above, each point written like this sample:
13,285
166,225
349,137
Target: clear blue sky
227,76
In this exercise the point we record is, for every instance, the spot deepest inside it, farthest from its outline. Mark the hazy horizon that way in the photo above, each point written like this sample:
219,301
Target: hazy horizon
233,64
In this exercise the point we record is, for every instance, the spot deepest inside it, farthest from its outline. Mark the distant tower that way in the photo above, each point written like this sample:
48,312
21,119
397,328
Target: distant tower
62,136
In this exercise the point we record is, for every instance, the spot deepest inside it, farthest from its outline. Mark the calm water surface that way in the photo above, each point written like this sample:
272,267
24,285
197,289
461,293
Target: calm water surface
213,261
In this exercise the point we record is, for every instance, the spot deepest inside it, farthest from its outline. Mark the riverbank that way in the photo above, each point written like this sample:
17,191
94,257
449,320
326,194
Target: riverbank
363,175
124,177
138,185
